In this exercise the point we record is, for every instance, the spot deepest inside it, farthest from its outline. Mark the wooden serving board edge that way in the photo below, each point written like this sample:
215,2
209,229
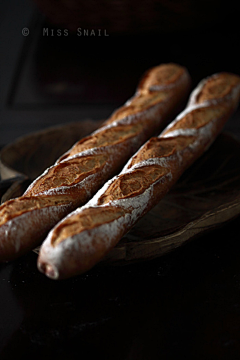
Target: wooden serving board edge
138,251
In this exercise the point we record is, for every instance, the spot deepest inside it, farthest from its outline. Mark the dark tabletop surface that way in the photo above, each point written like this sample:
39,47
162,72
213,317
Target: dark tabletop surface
185,304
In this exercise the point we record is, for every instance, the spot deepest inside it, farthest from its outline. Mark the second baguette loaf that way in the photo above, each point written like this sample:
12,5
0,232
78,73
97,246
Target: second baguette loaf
84,237
81,171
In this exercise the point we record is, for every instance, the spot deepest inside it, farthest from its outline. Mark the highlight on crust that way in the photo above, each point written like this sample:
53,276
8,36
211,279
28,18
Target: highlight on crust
81,171
74,247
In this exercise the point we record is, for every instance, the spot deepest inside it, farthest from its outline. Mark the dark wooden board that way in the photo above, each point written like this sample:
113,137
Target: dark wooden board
205,197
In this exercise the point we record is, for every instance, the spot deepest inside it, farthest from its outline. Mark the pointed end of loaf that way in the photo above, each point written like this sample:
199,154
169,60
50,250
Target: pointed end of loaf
48,270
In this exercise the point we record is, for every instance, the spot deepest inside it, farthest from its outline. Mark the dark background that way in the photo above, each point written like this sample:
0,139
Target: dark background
49,80
186,304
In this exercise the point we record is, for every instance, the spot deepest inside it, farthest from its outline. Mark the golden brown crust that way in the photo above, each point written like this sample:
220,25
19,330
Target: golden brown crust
132,184
160,147
218,87
81,171
162,77
166,75
68,174
85,236
198,118
111,136
14,208
87,221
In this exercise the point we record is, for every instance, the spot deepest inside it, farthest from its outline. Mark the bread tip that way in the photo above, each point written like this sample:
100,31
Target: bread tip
49,270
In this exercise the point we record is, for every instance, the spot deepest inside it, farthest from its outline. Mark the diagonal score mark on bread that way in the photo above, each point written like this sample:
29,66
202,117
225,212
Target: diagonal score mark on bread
85,236
80,172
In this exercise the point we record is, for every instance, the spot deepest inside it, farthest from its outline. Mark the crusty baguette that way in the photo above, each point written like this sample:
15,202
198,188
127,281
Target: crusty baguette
81,171
86,235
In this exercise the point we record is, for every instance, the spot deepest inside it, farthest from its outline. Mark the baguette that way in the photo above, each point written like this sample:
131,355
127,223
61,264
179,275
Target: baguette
86,235
82,170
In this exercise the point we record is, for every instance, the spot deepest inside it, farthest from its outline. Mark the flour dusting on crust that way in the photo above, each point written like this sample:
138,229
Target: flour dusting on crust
84,244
